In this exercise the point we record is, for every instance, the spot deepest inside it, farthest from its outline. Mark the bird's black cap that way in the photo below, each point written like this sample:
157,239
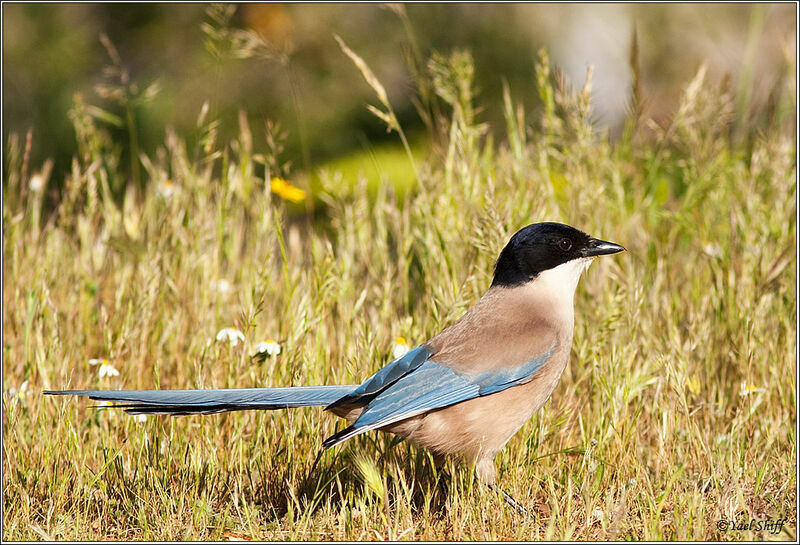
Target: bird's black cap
542,246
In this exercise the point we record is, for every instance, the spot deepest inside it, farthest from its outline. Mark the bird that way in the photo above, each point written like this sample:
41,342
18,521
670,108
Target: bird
464,392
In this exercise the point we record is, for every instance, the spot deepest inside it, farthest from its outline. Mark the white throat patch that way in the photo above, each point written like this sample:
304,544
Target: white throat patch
560,282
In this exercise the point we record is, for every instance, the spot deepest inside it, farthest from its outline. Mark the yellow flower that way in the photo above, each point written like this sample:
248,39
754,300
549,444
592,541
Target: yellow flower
694,385
286,191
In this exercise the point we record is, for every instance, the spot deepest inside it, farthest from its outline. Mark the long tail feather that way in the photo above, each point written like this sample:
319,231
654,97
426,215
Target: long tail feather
183,402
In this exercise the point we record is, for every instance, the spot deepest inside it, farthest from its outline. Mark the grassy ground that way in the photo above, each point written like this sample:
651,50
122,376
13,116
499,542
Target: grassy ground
677,409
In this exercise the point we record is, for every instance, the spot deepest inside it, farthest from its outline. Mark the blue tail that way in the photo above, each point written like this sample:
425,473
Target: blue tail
181,402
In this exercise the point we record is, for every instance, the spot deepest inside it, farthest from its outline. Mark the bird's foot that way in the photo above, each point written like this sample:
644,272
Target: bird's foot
509,499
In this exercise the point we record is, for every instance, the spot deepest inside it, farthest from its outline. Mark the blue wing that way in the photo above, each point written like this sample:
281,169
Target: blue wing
388,375
431,385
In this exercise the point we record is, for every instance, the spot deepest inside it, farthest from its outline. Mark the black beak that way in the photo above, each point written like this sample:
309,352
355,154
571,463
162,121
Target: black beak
597,247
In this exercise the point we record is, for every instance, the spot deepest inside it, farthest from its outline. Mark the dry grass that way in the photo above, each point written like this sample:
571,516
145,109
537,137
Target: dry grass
677,409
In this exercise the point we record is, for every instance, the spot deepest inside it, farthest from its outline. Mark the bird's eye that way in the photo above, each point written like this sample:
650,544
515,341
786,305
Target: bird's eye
565,244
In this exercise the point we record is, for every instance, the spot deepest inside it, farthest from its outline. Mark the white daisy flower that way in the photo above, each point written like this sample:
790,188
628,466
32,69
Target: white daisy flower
167,189
36,183
747,389
233,336
221,286
97,361
268,347
107,370
21,391
139,418
713,250
400,348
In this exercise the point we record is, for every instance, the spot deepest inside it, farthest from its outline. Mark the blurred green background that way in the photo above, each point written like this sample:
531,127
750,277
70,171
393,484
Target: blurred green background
301,79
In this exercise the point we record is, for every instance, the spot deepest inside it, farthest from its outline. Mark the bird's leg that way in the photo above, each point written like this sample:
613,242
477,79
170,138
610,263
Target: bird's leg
437,460
511,501
316,461
486,472
440,490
